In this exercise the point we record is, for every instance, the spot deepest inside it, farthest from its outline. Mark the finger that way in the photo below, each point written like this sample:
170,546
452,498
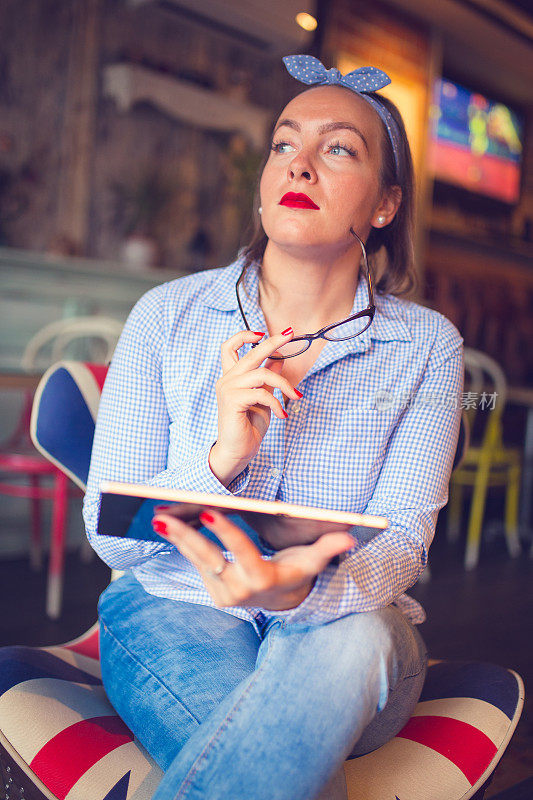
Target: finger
226,588
245,399
205,555
275,365
320,553
255,357
229,349
268,378
247,555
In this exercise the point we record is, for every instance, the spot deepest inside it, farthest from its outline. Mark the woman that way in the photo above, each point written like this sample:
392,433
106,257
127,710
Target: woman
254,672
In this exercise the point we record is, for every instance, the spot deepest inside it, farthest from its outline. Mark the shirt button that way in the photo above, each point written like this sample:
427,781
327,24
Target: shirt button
295,408
275,472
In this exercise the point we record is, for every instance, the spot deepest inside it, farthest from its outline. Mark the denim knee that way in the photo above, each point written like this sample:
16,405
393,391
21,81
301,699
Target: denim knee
395,715
406,672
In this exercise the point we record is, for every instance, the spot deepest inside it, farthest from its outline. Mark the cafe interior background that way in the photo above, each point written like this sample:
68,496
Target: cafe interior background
130,136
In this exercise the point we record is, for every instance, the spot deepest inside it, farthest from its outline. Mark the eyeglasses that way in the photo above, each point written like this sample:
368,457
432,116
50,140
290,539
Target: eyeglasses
338,332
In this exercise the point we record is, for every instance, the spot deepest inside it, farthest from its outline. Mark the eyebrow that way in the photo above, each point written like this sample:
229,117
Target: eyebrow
328,127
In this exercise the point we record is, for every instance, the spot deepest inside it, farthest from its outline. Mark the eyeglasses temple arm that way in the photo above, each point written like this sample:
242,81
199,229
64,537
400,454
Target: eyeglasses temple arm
239,300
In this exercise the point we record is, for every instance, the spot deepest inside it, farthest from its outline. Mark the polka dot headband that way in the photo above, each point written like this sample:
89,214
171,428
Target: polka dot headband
310,70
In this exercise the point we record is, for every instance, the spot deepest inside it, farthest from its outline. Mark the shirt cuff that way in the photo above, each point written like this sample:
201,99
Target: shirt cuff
239,482
200,478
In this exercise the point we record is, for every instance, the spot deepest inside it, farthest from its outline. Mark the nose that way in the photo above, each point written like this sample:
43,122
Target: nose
301,166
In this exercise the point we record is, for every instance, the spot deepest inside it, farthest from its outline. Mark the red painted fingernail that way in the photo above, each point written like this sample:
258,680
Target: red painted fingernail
160,527
285,415
298,393
205,516
286,332
259,333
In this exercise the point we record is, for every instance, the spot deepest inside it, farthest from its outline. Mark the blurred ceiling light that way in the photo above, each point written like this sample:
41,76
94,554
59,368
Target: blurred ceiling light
306,21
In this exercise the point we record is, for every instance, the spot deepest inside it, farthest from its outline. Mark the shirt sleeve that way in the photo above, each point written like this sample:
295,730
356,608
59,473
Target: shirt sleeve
411,489
132,433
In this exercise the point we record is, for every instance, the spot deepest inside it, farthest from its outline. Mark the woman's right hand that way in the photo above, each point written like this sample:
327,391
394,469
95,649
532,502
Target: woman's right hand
245,401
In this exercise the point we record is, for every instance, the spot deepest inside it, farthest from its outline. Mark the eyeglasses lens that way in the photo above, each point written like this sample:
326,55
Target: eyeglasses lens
347,329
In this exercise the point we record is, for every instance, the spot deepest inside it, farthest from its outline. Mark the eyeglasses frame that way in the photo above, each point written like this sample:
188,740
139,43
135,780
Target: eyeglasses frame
369,311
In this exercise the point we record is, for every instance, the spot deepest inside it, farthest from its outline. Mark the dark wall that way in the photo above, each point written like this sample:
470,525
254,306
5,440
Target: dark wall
195,184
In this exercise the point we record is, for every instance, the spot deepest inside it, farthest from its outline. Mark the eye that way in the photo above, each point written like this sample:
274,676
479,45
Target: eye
339,146
277,147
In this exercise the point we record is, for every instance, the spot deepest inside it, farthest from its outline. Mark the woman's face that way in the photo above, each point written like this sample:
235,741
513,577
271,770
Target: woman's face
326,145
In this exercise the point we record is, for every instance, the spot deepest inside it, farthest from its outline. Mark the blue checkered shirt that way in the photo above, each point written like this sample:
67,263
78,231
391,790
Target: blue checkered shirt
375,432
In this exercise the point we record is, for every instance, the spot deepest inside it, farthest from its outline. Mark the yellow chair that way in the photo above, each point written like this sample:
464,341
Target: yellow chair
488,463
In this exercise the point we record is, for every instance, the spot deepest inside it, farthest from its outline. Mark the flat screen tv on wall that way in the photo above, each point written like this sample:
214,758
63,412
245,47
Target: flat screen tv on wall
476,142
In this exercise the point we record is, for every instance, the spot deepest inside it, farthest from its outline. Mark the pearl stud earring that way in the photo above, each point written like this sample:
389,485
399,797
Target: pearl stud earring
381,219
260,209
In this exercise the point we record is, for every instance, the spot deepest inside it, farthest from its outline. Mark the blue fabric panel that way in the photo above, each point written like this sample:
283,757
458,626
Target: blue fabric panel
65,426
18,664
120,789
488,682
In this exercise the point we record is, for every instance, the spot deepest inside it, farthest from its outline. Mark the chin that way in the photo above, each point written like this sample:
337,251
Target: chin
300,233
295,235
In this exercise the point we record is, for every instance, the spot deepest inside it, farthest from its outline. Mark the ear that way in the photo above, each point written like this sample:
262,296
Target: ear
388,206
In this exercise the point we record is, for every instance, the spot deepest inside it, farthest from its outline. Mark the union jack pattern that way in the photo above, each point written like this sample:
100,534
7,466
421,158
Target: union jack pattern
81,750
55,715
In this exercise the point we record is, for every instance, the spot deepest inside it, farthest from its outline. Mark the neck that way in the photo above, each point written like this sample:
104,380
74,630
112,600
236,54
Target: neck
307,293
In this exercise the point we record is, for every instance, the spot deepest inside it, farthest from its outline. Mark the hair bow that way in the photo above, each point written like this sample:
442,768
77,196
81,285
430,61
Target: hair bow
309,69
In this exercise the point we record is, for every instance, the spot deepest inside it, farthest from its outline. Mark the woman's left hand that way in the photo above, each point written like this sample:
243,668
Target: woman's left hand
277,584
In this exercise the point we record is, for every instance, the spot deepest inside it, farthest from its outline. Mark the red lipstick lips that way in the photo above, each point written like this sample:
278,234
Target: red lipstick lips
297,200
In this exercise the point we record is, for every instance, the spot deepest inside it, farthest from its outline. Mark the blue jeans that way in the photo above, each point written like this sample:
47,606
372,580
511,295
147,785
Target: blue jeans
230,715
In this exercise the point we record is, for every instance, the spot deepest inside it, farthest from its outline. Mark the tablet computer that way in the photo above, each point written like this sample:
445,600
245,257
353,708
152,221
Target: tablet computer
127,509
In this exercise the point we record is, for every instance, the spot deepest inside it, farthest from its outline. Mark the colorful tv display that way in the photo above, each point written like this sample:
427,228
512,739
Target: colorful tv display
476,143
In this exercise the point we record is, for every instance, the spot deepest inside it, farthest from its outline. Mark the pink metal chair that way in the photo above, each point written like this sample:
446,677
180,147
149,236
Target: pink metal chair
19,460
18,457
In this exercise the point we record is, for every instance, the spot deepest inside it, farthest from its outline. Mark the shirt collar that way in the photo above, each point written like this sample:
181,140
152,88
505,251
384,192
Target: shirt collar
388,324
220,293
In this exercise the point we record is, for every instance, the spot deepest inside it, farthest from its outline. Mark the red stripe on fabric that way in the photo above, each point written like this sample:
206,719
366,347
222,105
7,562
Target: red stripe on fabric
62,761
90,646
462,744
99,371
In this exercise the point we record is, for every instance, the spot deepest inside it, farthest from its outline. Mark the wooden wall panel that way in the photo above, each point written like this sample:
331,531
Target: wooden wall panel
488,294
